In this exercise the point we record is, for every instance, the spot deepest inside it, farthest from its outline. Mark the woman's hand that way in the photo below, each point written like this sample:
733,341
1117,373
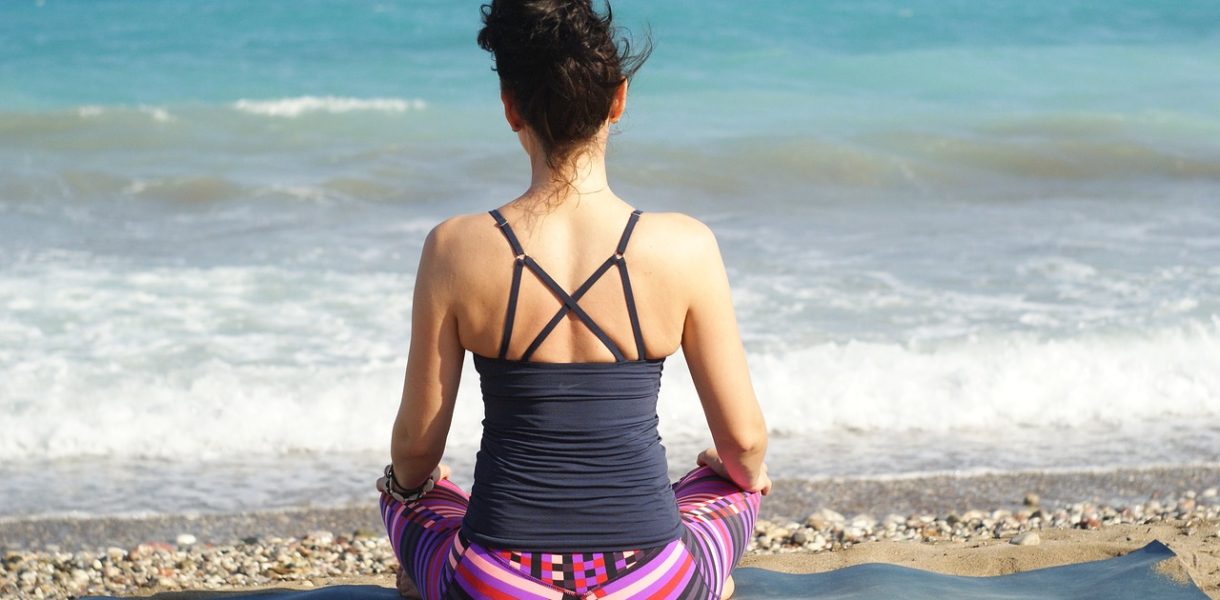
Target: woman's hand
441,471
406,587
710,458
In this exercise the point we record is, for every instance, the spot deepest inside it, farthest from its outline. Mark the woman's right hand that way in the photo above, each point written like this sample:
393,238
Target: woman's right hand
710,458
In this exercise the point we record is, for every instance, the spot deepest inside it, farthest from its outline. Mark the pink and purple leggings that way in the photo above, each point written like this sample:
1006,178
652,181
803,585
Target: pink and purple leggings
717,515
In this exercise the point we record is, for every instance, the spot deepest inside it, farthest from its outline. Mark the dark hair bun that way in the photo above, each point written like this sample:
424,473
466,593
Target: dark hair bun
561,62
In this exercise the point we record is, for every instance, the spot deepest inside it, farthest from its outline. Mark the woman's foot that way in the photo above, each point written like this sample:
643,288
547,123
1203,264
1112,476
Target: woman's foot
407,589
729,588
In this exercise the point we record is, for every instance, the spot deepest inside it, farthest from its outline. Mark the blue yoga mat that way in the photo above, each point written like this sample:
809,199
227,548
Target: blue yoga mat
1133,577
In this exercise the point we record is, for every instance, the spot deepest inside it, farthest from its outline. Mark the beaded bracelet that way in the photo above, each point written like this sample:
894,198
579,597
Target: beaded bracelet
402,494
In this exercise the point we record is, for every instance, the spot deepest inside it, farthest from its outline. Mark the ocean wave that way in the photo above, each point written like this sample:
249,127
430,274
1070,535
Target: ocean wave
147,396
994,382
295,107
991,155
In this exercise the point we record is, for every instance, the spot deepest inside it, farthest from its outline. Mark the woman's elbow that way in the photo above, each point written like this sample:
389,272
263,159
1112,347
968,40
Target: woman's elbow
747,443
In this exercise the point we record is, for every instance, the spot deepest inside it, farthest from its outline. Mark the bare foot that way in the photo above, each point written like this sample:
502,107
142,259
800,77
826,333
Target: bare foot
729,588
407,589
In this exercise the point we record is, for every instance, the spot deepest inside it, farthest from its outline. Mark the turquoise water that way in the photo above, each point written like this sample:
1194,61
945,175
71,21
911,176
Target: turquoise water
992,223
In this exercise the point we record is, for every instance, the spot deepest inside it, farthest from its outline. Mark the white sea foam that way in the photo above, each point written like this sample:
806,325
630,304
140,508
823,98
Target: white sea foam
158,113
233,361
995,384
295,107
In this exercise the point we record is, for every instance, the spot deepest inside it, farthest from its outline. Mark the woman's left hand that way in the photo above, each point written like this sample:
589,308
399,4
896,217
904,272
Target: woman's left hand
441,471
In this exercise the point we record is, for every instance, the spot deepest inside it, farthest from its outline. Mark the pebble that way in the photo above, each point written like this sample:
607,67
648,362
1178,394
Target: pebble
320,536
1028,538
185,539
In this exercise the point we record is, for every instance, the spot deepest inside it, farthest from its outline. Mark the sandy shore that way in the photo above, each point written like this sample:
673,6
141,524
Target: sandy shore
210,557
1198,556
1198,550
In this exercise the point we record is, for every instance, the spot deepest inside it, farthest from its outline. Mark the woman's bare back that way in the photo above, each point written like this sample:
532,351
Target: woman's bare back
662,258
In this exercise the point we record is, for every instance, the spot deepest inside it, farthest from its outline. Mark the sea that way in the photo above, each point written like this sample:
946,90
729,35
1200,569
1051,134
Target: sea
963,237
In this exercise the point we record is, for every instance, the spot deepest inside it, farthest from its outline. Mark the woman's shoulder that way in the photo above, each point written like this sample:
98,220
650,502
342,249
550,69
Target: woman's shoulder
460,233
676,235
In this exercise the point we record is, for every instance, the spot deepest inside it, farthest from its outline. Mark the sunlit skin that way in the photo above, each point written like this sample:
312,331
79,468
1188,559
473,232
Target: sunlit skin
569,220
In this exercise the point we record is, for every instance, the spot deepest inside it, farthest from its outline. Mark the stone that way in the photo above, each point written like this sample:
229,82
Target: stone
320,536
853,534
1029,538
866,522
1032,500
185,539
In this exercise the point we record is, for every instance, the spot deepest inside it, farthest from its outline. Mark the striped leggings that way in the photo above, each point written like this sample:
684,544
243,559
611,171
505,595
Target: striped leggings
719,522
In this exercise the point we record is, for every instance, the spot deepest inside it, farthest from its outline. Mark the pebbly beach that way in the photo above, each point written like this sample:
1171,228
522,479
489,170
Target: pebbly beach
202,555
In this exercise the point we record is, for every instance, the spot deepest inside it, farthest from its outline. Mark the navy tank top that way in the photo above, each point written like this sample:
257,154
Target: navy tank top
570,460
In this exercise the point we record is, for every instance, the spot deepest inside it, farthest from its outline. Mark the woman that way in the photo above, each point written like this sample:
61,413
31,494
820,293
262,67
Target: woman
571,495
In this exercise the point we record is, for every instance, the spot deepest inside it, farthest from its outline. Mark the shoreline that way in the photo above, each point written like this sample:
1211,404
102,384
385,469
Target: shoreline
208,556
975,543
790,500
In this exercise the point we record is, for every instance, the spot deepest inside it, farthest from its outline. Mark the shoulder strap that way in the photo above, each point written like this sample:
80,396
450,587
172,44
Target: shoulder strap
628,296
502,223
518,263
626,237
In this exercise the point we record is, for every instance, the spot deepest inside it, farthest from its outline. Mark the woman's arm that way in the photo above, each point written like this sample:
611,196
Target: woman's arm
717,361
434,366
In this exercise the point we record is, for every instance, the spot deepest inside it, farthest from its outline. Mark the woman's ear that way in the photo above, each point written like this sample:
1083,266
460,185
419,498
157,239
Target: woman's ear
619,103
510,111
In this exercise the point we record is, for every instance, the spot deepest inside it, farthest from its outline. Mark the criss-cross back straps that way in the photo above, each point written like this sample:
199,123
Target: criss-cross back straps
570,301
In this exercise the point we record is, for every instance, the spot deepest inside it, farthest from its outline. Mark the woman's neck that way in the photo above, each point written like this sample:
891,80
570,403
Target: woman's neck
583,175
